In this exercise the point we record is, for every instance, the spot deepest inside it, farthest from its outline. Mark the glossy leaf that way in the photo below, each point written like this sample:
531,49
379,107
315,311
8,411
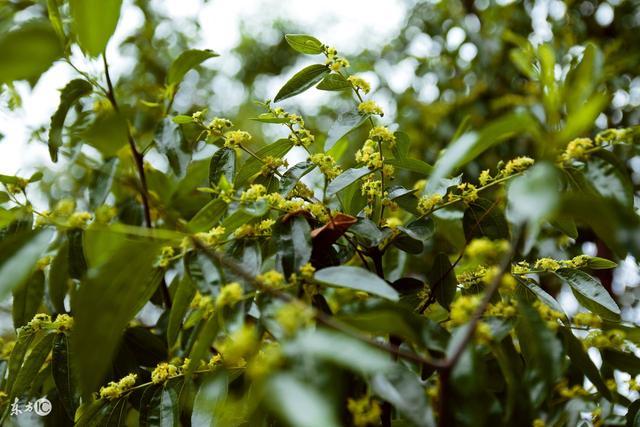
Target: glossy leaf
18,256
590,293
304,44
181,300
344,123
442,280
223,163
347,178
32,364
293,175
63,374
209,398
302,81
356,278
252,166
293,241
334,82
483,217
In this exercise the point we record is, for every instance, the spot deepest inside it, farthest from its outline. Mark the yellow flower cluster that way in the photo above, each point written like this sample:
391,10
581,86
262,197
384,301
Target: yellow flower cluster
613,338
43,262
63,322
217,125
79,219
39,321
590,320
326,164
359,83
370,155
472,277
230,295
549,315
577,150
307,271
204,303
268,359
370,107
253,193
293,316
634,385
238,346
570,392
261,229
468,193
485,248
393,222
271,165
463,307
519,164
427,203
614,136
365,411
382,134
236,138
483,333
271,279
508,283
64,207
212,236
538,422
105,213
116,389
502,308
334,62
547,264
372,188
162,372
485,177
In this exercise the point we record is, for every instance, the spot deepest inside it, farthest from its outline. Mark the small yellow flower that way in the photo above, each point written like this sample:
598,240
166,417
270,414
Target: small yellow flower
382,134
79,219
253,193
577,149
393,222
463,307
162,372
236,138
217,125
307,270
547,264
63,322
359,83
370,107
230,295
326,164
40,321
293,315
272,279
516,165
587,319
116,389
236,347
485,177
364,411
65,207
105,213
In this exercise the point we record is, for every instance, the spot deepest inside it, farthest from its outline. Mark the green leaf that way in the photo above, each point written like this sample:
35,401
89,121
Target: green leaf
583,120
293,175
413,165
356,278
114,291
206,336
302,81
94,21
181,300
27,299
59,278
607,177
542,353
298,404
404,391
56,20
441,277
18,256
186,61
77,261
590,293
270,118
334,82
69,95
292,240
483,218
28,51
162,408
583,79
171,141
346,178
582,361
107,134
23,342
102,181
625,362
304,44
208,216
353,354
223,163
252,166
535,195
32,364
541,294
597,263
471,144
345,123
63,374
182,120
209,400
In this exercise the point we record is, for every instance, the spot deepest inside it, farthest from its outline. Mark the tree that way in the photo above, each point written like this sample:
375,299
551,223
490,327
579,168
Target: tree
376,281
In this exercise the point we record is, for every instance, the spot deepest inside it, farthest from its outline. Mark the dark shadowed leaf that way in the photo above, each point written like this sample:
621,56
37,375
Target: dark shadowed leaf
293,244
32,364
442,280
579,358
63,374
27,299
181,300
69,95
485,218
223,163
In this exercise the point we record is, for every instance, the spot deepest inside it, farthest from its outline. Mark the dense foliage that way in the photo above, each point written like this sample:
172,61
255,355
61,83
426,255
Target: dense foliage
184,269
